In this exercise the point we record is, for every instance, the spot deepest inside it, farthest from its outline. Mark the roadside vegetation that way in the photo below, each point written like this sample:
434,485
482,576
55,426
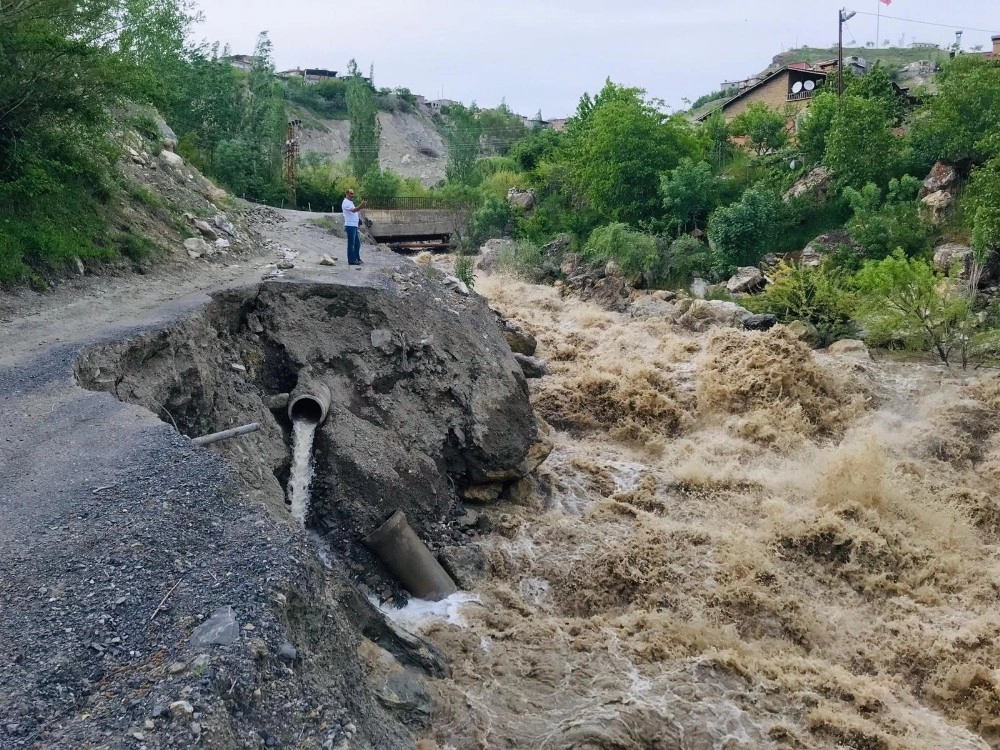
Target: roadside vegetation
670,201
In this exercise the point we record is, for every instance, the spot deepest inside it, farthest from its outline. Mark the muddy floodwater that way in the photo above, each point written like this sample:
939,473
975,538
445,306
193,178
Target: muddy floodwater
736,543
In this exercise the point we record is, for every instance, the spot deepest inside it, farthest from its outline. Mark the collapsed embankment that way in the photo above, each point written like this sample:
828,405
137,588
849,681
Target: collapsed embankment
426,404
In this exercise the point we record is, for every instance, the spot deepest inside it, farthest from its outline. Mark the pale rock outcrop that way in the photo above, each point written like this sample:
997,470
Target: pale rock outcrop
815,182
523,199
704,314
746,280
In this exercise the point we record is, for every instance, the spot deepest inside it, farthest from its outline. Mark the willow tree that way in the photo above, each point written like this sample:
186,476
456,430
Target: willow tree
362,112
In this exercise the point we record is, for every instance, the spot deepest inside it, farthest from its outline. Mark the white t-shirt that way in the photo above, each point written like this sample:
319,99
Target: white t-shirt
350,217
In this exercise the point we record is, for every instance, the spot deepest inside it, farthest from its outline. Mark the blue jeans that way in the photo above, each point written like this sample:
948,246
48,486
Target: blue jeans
353,245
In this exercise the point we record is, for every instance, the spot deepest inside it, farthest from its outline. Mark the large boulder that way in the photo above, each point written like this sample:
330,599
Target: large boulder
704,314
651,307
956,259
167,136
590,283
813,253
746,280
815,182
490,252
532,367
206,229
953,258
197,247
170,159
942,177
523,199
760,322
518,339
937,205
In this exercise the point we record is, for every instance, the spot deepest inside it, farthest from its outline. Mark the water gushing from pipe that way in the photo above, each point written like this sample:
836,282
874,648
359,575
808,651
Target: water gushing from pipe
303,433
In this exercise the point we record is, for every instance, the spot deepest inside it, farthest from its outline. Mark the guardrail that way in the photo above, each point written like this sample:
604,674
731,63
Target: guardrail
409,203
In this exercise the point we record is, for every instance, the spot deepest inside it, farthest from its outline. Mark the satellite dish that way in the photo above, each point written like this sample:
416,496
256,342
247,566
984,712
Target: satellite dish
810,85
797,87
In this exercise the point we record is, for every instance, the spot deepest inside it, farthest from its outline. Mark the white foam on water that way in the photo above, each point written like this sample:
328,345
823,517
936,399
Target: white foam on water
421,613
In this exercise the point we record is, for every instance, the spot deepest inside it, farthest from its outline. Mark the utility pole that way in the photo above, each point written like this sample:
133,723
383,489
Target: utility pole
843,16
291,159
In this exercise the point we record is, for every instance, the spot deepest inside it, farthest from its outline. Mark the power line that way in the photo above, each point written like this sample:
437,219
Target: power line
927,23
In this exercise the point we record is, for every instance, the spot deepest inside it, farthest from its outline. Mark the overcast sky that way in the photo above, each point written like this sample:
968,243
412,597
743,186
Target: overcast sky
543,54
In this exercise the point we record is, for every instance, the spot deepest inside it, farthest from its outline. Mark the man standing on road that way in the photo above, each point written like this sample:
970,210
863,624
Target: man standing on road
351,226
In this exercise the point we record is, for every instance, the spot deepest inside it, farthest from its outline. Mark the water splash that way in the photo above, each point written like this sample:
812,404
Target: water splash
303,434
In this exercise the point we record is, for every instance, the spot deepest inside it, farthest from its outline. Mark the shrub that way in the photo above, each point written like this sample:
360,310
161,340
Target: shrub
635,253
689,193
820,296
903,301
687,258
465,269
522,259
497,184
880,227
134,246
741,234
145,125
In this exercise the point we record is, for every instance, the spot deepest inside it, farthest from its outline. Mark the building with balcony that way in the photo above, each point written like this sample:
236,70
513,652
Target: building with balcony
787,89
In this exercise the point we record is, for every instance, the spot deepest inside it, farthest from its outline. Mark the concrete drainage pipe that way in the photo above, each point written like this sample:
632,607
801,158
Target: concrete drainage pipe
310,401
398,546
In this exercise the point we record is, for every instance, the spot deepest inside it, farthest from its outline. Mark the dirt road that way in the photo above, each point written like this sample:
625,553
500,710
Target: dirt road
117,535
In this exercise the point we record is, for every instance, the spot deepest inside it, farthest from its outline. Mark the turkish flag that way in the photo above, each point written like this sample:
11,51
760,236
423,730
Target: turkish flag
886,2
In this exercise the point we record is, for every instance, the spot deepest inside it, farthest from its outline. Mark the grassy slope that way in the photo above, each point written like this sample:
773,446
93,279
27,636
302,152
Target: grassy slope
894,57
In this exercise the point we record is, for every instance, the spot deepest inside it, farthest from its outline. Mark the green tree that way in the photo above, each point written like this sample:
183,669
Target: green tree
716,130
362,111
880,226
538,145
902,300
493,218
500,129
689,194
861,146
816,124
65,67
877,85
619,145
742,233
463,135
957,123
765,129
378,184
984,207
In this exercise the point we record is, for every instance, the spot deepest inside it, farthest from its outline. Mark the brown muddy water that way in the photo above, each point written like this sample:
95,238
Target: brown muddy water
737,543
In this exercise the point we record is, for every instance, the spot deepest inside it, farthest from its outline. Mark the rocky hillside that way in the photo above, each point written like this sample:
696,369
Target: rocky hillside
411,145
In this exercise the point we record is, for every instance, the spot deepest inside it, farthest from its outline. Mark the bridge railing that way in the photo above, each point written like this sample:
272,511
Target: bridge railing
411,203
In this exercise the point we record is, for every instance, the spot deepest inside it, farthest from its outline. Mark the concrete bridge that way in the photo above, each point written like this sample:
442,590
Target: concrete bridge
412,228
